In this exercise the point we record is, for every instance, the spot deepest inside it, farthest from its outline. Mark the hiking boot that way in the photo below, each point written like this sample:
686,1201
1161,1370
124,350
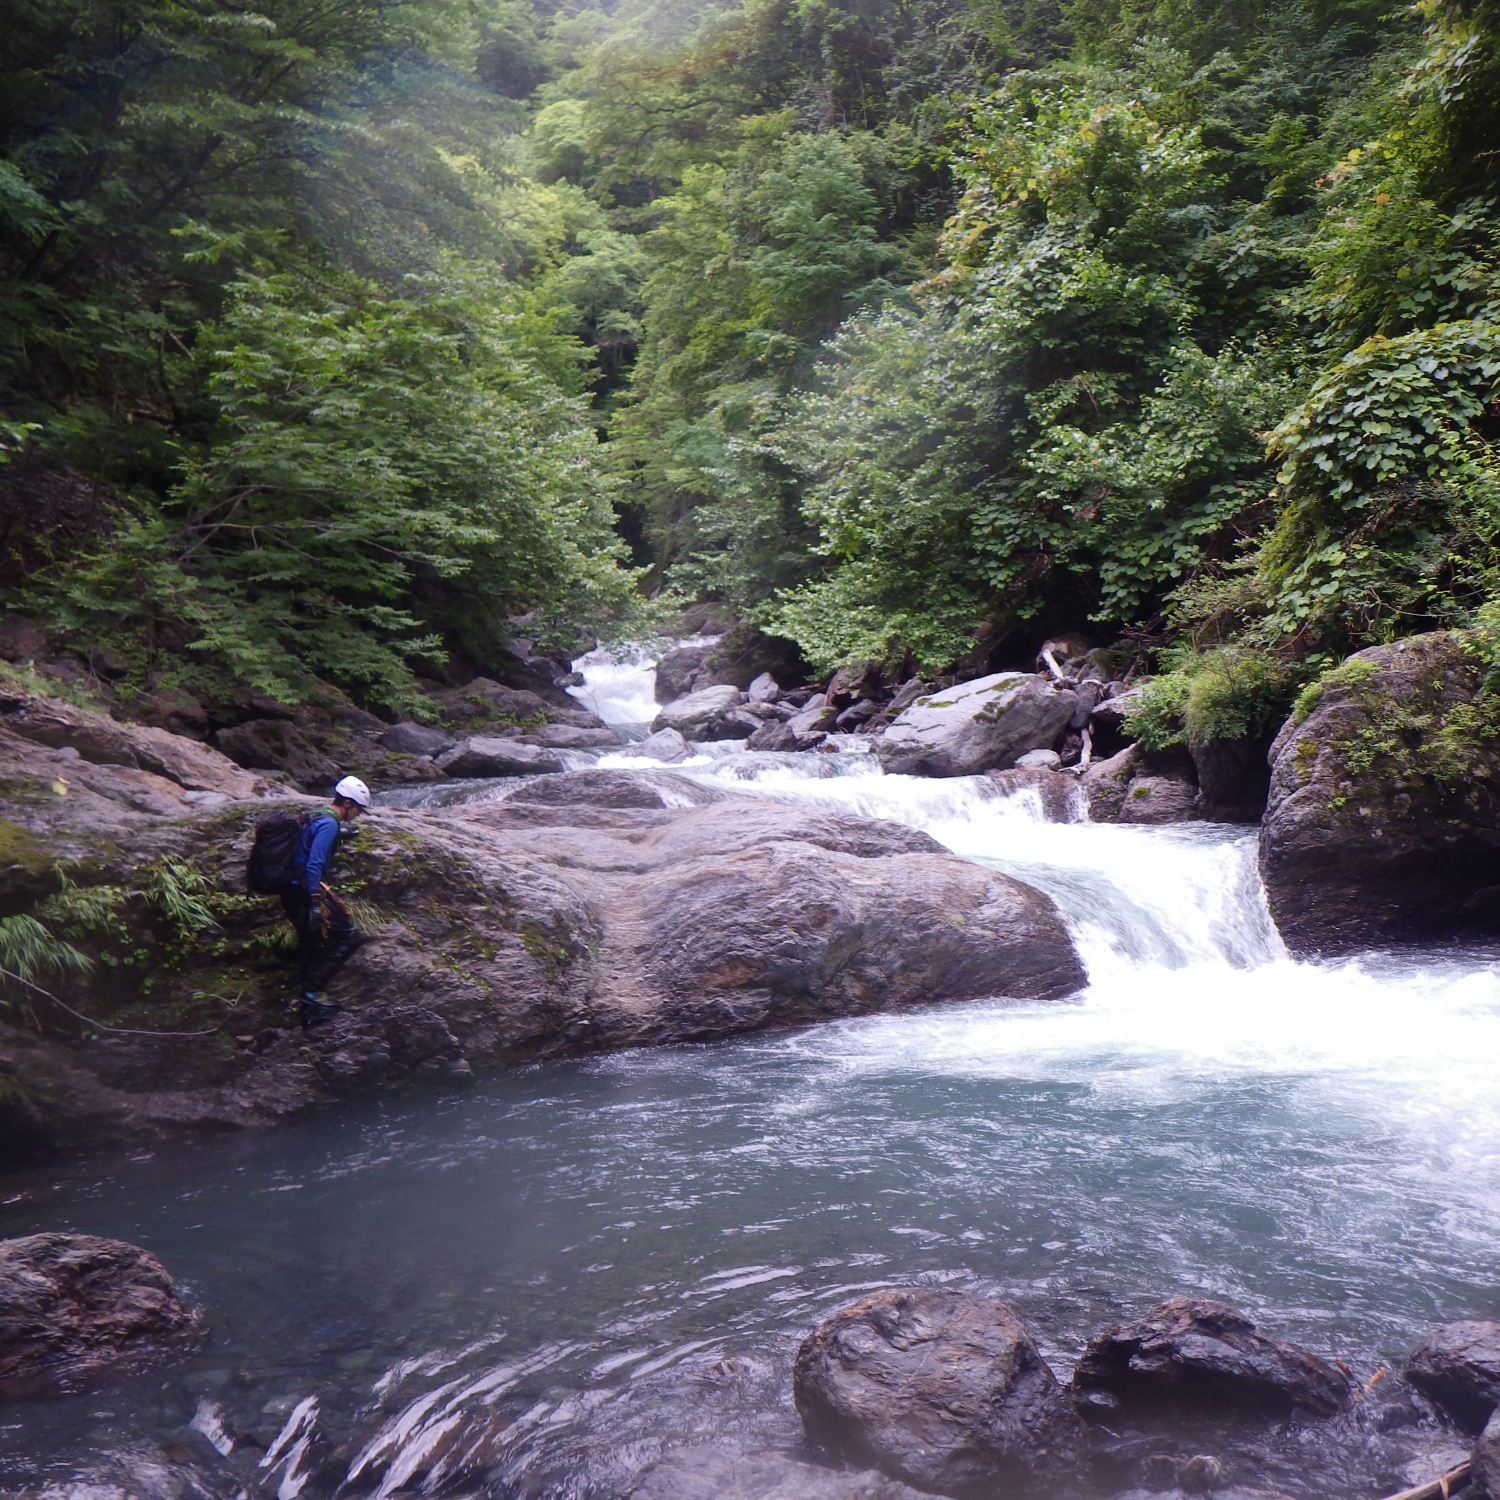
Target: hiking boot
316,1012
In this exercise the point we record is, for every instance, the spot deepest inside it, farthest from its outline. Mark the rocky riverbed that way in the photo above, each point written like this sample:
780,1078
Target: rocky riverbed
570,911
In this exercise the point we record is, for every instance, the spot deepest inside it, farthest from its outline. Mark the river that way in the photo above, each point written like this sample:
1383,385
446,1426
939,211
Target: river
603,1258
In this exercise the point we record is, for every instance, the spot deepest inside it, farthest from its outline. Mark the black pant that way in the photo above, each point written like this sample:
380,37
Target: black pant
326,941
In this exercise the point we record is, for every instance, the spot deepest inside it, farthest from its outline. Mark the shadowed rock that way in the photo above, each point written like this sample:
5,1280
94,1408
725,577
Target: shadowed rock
944,1391
1458,1367
1196,1352
1484,1476
76,1311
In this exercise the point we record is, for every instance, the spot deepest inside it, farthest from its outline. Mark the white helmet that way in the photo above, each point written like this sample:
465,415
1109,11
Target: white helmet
352,789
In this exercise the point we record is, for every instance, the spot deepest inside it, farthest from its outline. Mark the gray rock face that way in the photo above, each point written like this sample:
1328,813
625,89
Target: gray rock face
944,1391
976,726
76,1310
1195,1352
1106,783
724,1474
1484,1472
666,745
486,755
101,741
1234,778
408,738
1039,760
764,689
696,715
1458,1367
1379,828
571,737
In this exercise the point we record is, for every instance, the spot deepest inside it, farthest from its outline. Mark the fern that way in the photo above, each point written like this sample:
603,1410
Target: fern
28,950
181,894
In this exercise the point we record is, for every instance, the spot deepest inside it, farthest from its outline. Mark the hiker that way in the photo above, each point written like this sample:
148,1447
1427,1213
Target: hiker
326,930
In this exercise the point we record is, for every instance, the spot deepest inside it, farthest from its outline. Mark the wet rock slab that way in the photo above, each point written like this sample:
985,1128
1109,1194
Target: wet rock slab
942,1390
77,1311
1197,1353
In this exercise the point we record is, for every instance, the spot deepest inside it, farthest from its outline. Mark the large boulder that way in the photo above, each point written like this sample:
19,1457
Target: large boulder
1155,800
489,755
409,738
697,715
984,725
945,1391
76,1310
1458,1366
720,1473
1383,821
1188,1352
585,911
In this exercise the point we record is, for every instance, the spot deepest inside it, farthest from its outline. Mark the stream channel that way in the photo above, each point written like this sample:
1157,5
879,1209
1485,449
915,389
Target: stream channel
608,1257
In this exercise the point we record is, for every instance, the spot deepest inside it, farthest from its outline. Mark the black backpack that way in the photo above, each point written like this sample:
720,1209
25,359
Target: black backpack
272,864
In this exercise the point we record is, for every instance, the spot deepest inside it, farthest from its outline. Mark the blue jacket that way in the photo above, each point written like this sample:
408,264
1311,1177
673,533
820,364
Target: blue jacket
314,850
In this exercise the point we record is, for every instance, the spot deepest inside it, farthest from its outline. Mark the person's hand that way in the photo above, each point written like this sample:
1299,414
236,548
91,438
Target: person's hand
317,914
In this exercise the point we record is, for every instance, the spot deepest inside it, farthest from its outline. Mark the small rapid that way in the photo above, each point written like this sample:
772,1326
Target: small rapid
579,1265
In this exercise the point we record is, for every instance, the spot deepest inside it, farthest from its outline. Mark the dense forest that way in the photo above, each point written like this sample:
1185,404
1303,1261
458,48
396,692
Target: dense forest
335,338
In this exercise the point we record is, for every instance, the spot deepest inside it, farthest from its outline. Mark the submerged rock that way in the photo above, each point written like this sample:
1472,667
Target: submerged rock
944,1391
784,737
723,1474
1383,822
1458,1366
76,1311
1058,793
976,726
1189,1353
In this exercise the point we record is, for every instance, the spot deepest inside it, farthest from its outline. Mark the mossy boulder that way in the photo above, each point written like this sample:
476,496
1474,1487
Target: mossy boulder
1383,821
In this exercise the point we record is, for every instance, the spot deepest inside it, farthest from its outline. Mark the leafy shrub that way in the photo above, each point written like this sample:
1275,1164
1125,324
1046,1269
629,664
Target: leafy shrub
1225,693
